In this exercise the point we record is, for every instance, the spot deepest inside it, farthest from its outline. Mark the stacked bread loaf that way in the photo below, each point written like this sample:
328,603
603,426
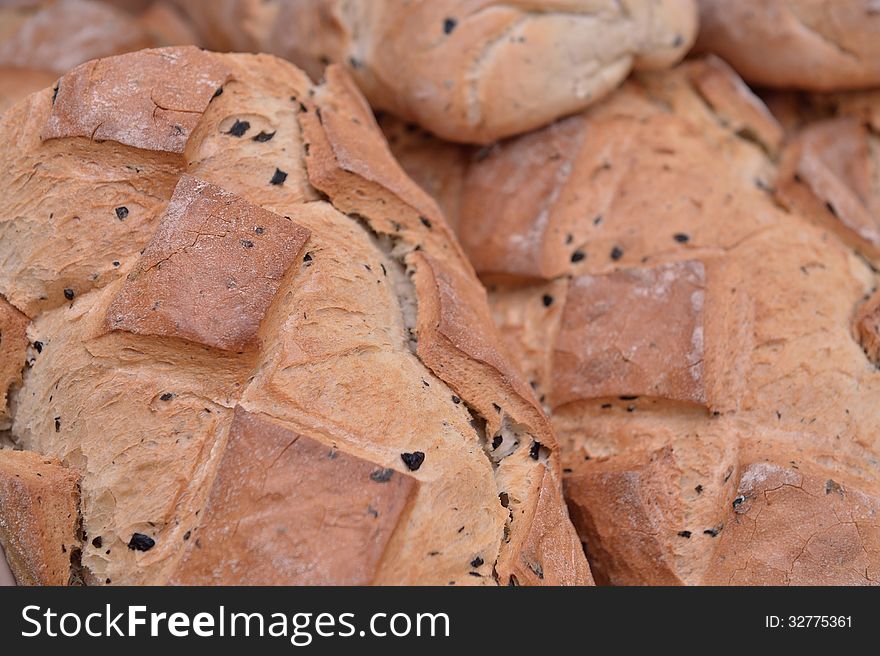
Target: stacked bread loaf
246,336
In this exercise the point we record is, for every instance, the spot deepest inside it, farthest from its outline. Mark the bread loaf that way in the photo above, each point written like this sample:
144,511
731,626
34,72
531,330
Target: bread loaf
708,356
257,343
467,71
820,45
40,39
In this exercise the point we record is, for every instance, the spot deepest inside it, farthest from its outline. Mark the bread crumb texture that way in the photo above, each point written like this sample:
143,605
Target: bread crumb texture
250,348
701,324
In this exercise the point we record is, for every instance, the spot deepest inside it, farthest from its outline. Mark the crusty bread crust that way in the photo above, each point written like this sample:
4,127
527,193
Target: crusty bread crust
456,337
39,521
830,173
286,509
331,311
705,353
174,290
87,99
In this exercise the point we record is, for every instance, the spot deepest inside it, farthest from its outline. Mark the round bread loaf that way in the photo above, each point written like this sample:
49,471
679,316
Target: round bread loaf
254,351
709,358
820,45
471,71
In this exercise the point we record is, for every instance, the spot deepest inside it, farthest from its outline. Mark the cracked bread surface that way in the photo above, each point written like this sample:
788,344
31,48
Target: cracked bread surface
472,71
703,350
338,368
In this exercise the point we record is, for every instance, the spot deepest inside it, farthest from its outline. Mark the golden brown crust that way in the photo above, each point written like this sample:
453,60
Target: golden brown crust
39,518
174,289
830,168
821,45
160,107
654,178
456,338
470,72
524,247
345,143
734,103
523,211
550,551
344,154
608,343
796,525
453,345
336,353
119,214
279,499
34,51
437,166
452,326
626,511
